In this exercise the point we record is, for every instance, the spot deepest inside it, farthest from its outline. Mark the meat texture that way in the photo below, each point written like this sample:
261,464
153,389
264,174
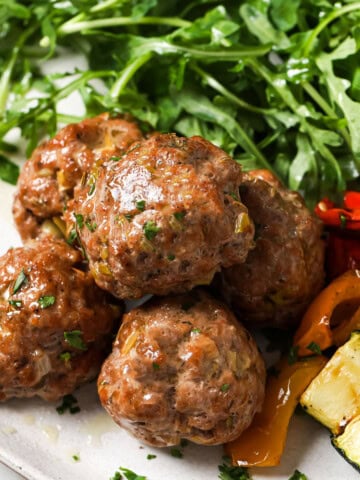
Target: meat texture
164,218
183,367
56,325
285,270
48,179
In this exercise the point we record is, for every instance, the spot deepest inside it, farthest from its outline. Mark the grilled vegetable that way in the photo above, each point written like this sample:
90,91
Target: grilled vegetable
333,398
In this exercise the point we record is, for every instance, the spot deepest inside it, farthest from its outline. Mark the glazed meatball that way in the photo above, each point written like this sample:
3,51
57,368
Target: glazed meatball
183,367
285,270
48,179
56,325
164,218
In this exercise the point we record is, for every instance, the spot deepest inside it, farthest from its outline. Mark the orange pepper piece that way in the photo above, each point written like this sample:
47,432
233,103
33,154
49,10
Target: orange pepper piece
262,444
316,324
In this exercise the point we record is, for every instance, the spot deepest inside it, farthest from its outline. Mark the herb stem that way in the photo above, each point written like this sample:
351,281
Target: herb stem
213,83
314,94
279,85
325,22
73,27
127,74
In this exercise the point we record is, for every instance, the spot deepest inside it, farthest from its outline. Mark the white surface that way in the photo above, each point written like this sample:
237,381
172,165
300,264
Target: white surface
39,443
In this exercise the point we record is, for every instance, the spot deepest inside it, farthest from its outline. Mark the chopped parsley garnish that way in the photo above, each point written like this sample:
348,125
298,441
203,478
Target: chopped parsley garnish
234,196
79,219
75,340
76,458
65,356
293,355
140,205
196,330
343,221
229,472
175,452
225,387
314,347
128,474
92,188
20,281
180,215
156,366
151,230
128,216
15,303
115,158
297,475
46,301
69,403
72,237
171,257
150,456
91,226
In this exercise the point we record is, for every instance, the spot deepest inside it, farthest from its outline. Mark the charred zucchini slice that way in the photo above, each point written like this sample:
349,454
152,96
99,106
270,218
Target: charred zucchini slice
333,397
348,443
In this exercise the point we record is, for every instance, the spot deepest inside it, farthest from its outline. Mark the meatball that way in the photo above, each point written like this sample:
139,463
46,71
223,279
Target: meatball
163,219
56,325
183,367
285,270
48,179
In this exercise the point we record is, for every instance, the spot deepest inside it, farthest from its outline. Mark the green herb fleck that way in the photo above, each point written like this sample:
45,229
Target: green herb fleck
293,355
171,257
297,475
128,216
69,403
229,472
150,456
65,356
46,301
196,330
115,158
76,458
175,452
79,219
140,205
180,215
156,366
15,303
91,226
92,188
343,221
225,387
128,474
72,237
74,339
20,281
314,347
151,230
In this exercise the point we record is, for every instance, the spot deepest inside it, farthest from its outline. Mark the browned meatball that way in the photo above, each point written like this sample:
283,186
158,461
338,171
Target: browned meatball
285,270
183,367
48,178
55,324
163,219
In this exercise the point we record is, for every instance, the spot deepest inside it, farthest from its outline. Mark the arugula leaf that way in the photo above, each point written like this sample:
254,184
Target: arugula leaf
9,171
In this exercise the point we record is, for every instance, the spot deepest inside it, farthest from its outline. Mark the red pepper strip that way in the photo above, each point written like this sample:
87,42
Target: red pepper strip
339,217
352,200
262,444
316,327
343,253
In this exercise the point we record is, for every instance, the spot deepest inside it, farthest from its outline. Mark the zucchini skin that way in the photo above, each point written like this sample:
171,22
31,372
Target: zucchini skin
348,443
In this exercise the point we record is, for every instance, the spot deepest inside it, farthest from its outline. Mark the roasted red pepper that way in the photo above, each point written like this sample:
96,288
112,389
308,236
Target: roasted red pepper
262,444
343,226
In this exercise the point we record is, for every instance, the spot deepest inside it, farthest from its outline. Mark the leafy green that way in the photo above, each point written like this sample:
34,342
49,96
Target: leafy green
46,301
276,84
297,475
229,472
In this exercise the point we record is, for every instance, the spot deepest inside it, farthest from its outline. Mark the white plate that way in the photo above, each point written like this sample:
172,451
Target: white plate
39,443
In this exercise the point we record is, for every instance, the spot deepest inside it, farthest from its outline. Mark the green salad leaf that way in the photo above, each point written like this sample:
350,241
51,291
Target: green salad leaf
276,84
